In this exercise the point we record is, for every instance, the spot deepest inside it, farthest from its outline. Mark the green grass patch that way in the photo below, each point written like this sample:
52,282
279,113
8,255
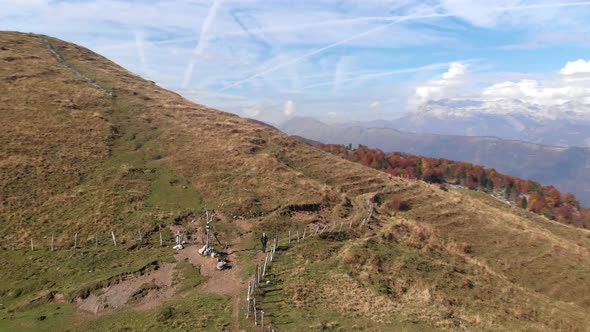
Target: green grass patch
187,276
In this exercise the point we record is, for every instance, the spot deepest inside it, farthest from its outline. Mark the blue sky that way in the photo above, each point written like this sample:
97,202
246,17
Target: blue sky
335,60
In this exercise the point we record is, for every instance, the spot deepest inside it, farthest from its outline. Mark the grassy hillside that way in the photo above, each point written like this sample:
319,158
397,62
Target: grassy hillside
89,148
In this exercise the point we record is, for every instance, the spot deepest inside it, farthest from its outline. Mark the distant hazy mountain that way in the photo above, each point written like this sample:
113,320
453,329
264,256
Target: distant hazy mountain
566,168
559,125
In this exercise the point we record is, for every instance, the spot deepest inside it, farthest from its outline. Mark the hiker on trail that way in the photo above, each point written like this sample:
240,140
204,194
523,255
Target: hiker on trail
264,240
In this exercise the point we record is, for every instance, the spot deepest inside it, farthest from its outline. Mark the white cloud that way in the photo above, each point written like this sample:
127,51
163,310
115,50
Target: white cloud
251,112
549,92
533,91
332,115
446,87
455,70
576,67
572,85
375,107
289,108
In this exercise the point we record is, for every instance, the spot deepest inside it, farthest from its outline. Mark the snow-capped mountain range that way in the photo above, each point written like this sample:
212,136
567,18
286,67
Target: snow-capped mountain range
566,124
463,108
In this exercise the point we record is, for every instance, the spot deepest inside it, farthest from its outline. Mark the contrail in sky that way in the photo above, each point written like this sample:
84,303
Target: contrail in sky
203,40
382,74
325,48
394,20
140,50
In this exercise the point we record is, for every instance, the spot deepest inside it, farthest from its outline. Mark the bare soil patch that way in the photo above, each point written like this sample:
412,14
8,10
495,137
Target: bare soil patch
146,291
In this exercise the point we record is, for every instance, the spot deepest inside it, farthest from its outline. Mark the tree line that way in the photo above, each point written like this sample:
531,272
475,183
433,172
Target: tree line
527,194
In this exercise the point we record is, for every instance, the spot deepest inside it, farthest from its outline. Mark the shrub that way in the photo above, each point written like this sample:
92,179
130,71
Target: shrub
166,314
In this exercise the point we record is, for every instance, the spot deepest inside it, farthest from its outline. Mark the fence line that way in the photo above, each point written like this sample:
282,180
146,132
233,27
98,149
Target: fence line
138,237
261,270
82,240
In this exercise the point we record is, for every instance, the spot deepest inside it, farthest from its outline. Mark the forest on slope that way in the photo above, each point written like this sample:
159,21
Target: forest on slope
527,194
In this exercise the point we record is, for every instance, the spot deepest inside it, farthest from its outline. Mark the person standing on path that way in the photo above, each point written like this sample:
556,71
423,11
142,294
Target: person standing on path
264,241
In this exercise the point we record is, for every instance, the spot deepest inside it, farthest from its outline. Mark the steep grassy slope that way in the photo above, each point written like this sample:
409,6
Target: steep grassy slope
129,156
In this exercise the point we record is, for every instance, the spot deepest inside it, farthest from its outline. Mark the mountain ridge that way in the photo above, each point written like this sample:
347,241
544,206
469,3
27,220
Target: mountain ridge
564,167
566,124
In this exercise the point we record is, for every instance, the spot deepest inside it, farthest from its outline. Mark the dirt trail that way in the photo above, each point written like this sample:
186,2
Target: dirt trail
61,60
226,282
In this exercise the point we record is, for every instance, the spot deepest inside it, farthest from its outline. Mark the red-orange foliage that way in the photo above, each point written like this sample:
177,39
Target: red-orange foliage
584,219
546,200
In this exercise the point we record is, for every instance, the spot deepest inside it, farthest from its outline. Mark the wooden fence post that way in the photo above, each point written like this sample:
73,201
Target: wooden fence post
114,239
161,242
75,240
297,235
248,310
248,304
262,320
32,246
304,230
341,224
289,236
254,306
265,264
248,299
